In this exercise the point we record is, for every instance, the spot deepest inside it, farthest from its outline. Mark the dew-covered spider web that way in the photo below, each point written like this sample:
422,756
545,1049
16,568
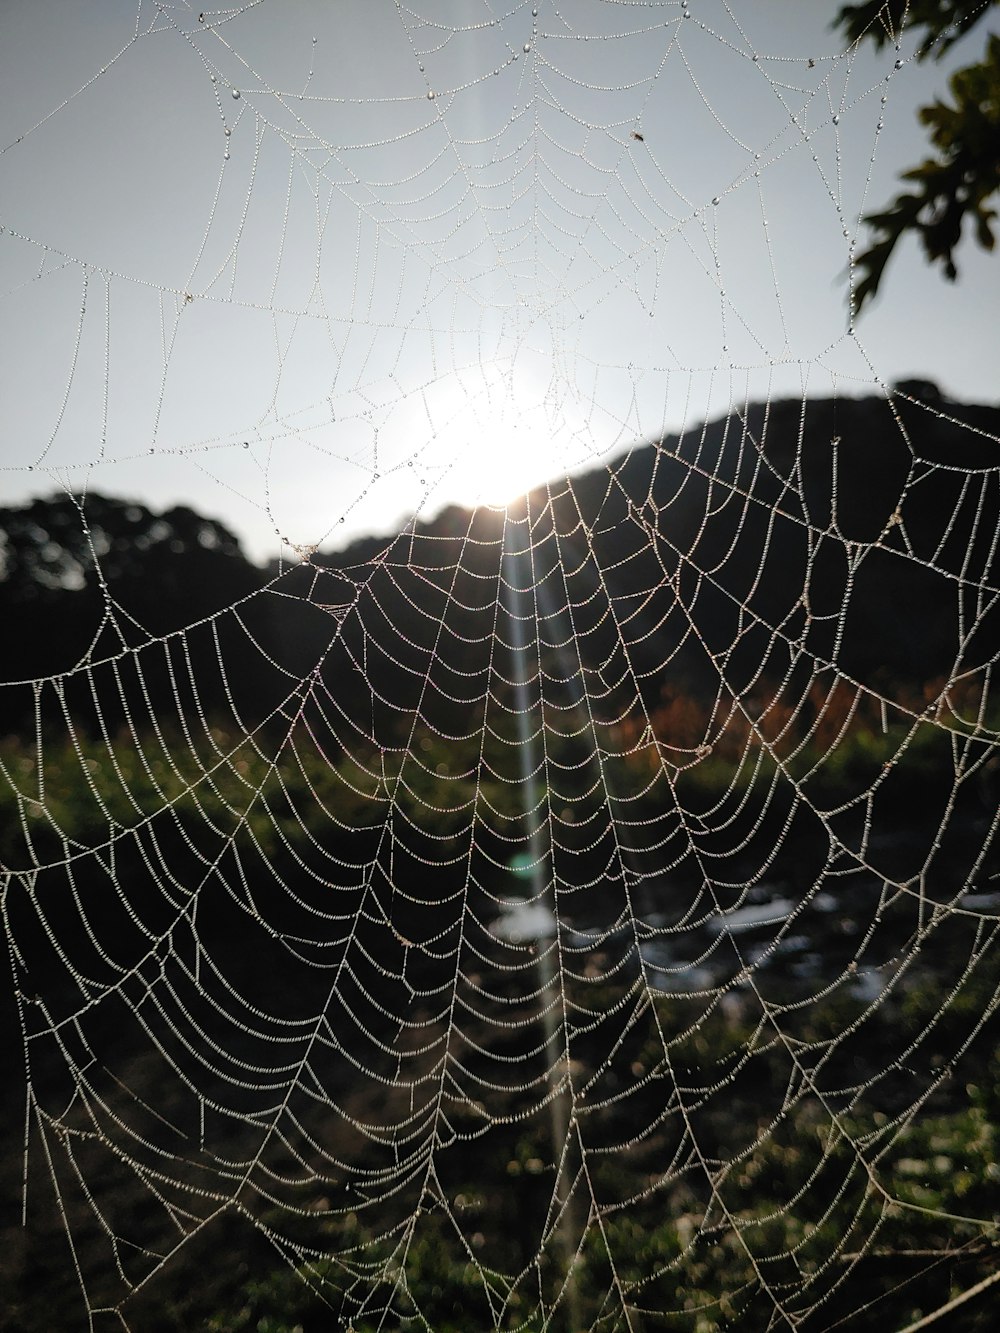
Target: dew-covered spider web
555,886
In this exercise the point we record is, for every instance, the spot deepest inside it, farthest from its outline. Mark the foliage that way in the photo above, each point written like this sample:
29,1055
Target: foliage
964,175
288,792
61,541
901,1229
881,21
82,577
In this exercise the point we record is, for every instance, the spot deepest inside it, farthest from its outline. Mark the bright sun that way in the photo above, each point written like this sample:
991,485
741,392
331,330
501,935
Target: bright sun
499,443
501,460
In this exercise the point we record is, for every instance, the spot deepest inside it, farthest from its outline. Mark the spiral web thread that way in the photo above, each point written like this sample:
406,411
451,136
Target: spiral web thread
563,919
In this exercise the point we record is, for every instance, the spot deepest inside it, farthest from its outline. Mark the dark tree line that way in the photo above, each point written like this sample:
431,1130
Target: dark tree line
861,528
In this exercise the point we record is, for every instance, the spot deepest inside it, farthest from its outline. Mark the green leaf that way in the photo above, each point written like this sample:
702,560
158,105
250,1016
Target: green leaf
956,184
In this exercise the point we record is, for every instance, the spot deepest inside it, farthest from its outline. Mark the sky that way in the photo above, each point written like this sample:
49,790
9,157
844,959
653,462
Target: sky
314,268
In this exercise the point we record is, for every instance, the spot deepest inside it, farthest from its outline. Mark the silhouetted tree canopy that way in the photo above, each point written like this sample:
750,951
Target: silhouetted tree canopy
82,577
81,581
963,175
72,543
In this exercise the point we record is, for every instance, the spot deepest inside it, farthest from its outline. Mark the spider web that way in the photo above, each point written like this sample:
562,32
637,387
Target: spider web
573,912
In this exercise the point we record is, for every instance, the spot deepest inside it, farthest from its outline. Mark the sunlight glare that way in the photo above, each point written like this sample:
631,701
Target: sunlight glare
502,443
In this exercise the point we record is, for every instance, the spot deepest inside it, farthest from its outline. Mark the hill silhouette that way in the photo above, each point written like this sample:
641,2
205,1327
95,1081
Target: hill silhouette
854,534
